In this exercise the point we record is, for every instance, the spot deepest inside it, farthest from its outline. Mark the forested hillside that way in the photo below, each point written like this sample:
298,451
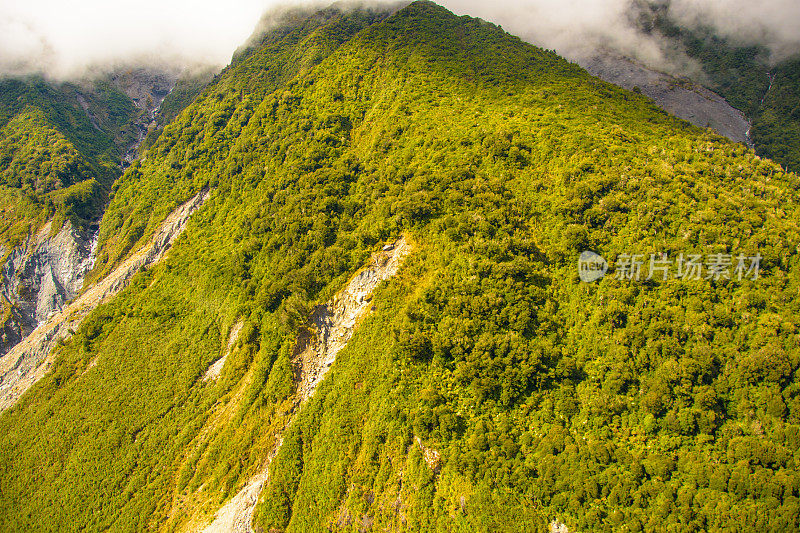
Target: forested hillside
489,389
41,175
60,149
92,116
53,132
52,157
187,87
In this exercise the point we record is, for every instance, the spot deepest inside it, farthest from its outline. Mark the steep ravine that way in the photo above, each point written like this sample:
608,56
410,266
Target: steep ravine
680,97
147,89
771,77
29,361
39,277
327,332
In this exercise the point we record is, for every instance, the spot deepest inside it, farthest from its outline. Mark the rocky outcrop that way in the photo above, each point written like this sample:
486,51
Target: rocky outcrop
27,362
328,331
39,278
332,324
147,89
215,369
431,456
237,515
677,96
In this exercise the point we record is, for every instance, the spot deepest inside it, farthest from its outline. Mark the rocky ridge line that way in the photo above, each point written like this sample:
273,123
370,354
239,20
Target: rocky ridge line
328,331
31,359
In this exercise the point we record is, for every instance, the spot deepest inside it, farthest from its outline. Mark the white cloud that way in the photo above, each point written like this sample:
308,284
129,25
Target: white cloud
772,23
574,28
577,28
64,38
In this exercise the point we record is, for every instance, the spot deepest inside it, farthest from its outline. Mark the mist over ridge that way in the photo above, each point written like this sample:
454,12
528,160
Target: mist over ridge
68,40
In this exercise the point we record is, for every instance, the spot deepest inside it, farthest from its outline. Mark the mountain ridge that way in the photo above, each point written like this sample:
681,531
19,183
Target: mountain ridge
599,405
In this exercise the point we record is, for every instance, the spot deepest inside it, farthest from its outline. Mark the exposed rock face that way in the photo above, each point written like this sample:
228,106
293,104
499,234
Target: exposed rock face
215,369
333,323
147,90
11,327
328,331
237,515
27,362
677,96
38,278
431,456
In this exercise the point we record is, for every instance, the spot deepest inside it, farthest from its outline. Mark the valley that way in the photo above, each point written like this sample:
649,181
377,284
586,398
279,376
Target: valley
334,287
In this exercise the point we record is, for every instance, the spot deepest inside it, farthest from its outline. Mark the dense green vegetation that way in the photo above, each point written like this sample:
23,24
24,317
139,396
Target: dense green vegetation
63,106
36,158
766,93
42,174
190,84
777,128
59,152
295,46
659,405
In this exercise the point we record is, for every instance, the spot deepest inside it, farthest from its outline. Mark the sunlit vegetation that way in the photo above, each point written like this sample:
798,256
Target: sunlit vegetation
190,84
645,406
71,109
59,152
42,175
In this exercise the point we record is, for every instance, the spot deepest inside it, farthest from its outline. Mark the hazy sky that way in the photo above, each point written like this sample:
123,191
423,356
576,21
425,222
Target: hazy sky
63,37
576,28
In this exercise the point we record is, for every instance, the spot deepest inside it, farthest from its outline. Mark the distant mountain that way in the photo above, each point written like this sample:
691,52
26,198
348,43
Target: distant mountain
678,96
62,146
341,291
767,93
738,90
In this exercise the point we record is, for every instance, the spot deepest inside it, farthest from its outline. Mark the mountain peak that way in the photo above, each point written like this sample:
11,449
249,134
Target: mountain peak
367,309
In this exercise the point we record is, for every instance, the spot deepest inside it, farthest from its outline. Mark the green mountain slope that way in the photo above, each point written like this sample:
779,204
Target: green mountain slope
766,93
641,405
59,151
97,119
777,128
41,174
72,109
187,87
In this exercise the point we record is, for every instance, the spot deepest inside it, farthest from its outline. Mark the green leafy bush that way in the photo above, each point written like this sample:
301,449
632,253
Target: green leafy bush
488,389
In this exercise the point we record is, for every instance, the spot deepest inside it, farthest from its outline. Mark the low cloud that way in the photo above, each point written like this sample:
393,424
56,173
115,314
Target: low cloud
64,39
578,29
774,24
581,28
